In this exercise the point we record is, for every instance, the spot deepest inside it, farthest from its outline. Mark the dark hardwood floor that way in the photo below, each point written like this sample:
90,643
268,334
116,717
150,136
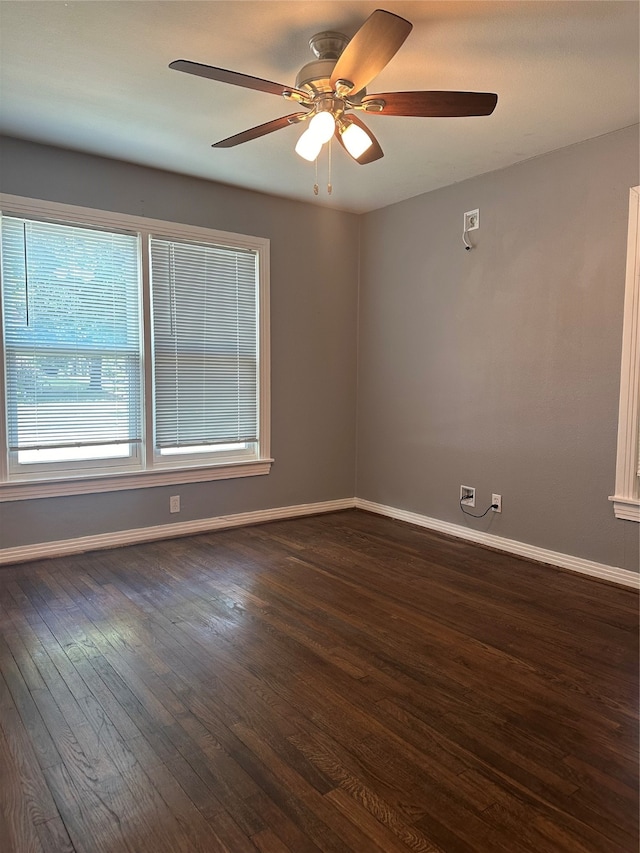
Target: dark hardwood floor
339,683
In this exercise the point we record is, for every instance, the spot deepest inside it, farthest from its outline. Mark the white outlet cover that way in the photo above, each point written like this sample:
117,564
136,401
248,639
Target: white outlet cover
472,219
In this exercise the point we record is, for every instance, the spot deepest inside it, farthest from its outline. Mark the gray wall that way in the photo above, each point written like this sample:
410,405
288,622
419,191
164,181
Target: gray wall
313,346
499,368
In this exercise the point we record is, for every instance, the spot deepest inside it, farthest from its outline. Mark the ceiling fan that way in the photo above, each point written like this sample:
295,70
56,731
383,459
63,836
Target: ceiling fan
331,89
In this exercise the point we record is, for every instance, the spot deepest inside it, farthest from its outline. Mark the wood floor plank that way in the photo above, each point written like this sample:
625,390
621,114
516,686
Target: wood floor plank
54,837
283,825
333,684
308,811
268,842
390,816
39,801
16,805
13,690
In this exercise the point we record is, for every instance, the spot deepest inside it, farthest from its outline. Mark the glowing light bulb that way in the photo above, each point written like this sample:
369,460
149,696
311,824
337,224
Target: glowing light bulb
308,146
322,125
356,140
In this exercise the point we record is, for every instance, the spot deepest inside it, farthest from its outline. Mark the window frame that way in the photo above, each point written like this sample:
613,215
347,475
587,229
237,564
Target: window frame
626,500
154,469
131,460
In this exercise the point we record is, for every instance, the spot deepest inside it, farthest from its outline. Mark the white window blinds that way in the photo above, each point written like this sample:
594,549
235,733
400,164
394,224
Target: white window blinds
71,335
205,302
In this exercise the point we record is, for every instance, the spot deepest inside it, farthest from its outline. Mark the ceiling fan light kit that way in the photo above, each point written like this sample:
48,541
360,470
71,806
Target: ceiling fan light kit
356,140
308,146
322,126
332,88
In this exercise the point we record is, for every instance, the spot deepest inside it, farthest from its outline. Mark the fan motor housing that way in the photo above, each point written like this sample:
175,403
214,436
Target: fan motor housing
315,77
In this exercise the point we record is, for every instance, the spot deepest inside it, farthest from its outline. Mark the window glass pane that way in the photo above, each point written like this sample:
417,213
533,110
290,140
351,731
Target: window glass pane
72,337
202,448
73,454
205,344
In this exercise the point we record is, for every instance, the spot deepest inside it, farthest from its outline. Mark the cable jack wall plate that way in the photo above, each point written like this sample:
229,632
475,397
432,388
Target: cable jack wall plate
468,495
472,219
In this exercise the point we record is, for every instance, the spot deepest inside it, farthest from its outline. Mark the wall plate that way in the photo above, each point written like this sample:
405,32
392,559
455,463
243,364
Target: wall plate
472,219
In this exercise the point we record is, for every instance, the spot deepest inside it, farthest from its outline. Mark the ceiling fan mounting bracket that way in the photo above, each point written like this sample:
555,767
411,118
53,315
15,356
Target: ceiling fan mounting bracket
328,44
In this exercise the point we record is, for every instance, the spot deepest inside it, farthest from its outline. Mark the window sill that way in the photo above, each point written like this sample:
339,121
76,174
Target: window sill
136,480
626,508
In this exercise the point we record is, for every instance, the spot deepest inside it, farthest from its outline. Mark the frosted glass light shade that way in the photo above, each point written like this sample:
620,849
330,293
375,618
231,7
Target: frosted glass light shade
356,140
308,146
322,125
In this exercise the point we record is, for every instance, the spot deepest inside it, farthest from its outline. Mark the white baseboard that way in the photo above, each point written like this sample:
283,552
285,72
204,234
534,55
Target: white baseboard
521,549
63,547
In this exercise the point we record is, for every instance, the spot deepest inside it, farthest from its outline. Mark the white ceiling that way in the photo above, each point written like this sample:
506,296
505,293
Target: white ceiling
93,76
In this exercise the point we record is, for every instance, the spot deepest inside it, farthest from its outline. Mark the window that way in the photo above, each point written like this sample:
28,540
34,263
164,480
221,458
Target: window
72,345
626,501
204,329
134,351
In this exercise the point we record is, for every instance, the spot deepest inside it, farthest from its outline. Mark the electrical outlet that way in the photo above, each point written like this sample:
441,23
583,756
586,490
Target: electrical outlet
496,499
174,503
472,219
468,495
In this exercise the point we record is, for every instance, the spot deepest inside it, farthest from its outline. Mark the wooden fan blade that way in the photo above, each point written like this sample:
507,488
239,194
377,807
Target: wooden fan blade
223,75
436,104
377,40
259,130
374,152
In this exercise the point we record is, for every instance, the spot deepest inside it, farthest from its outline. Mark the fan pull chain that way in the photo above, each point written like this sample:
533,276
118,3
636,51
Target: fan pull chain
316,187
